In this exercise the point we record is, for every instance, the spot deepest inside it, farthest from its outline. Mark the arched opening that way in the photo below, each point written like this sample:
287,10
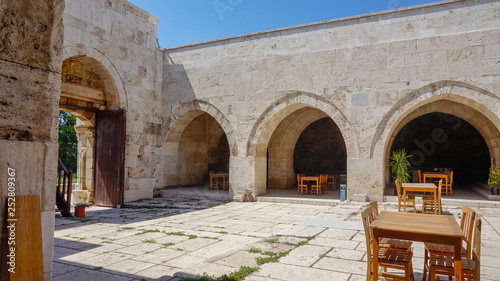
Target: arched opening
288,117
446,135
320,149
88,92
196,146
444,141
307,141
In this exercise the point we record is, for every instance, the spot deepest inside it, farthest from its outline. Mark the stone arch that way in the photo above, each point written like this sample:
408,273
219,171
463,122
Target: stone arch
82,115
270,119
185,113
299,110
103,67
475,105
191,132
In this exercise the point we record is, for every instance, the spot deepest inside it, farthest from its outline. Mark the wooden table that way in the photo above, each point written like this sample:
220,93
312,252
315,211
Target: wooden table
436,175
415,227
215,176
421,187
310,178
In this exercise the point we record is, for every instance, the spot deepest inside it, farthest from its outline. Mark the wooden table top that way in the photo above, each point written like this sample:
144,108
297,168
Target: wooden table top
435,173
309,178
219,175
418,225
420,185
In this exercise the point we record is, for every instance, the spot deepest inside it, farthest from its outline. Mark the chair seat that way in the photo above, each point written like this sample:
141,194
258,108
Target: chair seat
446,262
428,197
394,257
441,249
395,244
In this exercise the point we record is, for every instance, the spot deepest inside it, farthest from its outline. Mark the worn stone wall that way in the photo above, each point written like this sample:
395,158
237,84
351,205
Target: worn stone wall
120,40
30,74
369,74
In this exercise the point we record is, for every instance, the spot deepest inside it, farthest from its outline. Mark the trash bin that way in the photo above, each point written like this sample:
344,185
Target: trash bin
343,188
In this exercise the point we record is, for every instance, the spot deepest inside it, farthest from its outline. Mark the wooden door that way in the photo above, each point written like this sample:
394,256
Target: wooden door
109,158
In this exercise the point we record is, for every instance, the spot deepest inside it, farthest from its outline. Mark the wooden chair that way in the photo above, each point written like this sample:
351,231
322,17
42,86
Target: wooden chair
331,182
444,265
420,176
387,258
214,184
448,187
301,188
316,188
323,182
428,205
226,183
439,251
409,201
389,243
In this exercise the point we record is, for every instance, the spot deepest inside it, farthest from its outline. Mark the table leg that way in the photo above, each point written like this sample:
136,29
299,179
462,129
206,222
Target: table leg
404,200
435,202
458,259
375,254
446,180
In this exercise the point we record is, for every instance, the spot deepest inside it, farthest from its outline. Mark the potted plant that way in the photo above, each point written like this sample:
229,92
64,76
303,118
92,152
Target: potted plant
494,179
400,165
80,209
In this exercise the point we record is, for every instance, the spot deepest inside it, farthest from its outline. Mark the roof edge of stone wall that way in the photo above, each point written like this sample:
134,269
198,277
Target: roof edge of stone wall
149,17
256,35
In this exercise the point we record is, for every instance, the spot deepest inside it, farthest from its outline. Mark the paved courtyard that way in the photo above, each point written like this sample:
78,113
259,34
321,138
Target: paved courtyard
162,239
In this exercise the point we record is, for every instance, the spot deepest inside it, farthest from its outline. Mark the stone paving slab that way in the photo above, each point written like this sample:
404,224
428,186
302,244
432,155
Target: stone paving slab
321,242
333,224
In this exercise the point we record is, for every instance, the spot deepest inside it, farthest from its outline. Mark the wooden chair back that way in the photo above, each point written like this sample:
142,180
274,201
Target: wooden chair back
299,176
374,206
420,176
476,251
398,189
440,191
367,217
323,180
467,225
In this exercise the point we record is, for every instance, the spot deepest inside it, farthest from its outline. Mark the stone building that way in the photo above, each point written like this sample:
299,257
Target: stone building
335,96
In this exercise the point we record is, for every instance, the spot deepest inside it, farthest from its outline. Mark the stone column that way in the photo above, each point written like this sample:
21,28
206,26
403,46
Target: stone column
85,163
31,40
242,178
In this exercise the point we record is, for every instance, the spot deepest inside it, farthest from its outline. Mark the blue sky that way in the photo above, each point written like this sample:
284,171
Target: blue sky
190,21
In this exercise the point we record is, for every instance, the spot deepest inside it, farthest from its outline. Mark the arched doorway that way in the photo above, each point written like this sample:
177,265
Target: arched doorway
321,149
305,142
88,91
275,134
444,141
196,145
449,133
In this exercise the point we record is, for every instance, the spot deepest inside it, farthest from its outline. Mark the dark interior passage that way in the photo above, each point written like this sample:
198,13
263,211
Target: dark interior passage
219,156
438,140
320,149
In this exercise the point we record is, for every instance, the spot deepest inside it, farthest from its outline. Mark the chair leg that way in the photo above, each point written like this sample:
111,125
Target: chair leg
432,273
426,259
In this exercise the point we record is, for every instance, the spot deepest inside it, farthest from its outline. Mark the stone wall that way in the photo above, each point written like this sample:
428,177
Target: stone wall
30,75
120,39
367,73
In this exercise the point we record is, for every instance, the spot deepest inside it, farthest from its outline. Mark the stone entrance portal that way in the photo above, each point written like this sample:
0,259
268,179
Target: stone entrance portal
86,88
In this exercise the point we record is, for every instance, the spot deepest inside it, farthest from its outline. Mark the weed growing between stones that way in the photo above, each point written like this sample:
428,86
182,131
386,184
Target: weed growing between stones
238,275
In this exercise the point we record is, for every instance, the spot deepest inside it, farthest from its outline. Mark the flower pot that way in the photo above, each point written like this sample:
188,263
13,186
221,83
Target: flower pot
80,212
